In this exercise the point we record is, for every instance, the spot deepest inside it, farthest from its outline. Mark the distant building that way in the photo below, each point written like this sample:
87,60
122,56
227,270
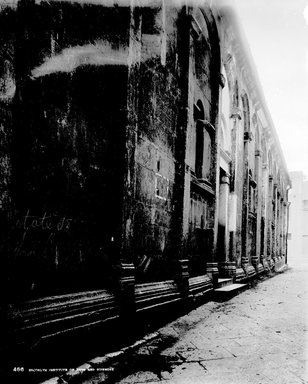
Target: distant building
298,220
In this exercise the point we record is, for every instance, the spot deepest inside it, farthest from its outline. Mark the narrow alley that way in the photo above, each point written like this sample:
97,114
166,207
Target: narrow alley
141,179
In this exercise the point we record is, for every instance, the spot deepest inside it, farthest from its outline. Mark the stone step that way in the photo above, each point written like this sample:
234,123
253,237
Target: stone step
224,281
228,291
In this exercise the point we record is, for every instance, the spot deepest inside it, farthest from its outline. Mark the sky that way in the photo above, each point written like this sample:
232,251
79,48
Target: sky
277,33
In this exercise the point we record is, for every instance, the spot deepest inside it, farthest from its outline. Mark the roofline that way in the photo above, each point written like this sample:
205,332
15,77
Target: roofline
229,14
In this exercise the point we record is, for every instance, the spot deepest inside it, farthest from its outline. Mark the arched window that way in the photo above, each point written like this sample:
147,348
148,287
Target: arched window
225,143
198,117
203,159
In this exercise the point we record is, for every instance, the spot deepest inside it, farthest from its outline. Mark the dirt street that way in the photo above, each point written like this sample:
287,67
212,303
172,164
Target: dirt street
259,336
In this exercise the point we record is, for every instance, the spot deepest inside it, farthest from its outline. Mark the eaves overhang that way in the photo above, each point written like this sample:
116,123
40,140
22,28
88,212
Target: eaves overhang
240,48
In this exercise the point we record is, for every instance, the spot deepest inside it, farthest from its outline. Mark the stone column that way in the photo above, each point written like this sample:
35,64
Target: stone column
245,213
257,259
281,225
126,278
212,264
125,294
269,223
235,181
226,267
236,115
125,284
182,277
263,249
182,186
275,216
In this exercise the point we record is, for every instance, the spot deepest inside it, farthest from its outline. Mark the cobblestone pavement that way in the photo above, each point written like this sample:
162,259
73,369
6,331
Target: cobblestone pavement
259,336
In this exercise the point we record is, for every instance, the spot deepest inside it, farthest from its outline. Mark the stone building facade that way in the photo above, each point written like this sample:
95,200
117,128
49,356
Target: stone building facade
139,162
257,178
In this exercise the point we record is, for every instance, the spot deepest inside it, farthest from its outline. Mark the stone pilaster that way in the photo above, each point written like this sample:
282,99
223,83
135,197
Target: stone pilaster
126,288
236,116
245,206
212,271
275,229
126,299
269,223
226,267
182,277
264,217
257,259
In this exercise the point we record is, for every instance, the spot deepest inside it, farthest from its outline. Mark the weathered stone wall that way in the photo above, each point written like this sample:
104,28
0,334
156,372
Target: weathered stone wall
64,97
157,100
110,120
201,154
7,92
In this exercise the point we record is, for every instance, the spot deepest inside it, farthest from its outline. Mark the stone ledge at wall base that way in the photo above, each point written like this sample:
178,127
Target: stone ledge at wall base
212,271
229,290
154,302
152,295
265,265
199,286
51,317
260,269
97,365
201,290
271,263
257,264
240,275
250,271
227,269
